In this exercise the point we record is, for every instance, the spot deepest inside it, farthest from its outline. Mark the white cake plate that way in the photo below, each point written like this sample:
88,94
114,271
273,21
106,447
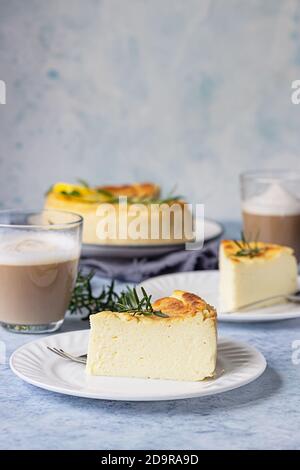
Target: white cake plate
238,364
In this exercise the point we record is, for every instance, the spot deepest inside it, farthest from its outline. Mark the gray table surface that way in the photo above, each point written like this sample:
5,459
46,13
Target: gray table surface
263,414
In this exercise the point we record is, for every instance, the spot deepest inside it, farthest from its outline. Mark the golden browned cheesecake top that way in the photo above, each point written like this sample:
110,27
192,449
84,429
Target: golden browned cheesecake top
239,251
178,306
182,303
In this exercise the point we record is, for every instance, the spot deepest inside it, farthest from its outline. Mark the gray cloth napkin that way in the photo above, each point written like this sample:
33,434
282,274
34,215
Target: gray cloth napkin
138,269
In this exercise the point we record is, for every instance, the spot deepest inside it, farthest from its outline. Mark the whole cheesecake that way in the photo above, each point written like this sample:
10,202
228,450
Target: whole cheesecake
181,346
253,271
139,221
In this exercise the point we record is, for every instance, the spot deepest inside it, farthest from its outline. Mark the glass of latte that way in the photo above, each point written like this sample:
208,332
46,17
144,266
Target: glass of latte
39,254
271,207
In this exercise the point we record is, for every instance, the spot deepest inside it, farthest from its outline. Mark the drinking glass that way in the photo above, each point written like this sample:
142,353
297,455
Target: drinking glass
271,207
39,254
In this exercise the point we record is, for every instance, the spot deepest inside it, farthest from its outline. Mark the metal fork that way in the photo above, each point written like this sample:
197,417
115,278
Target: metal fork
60,352
290,298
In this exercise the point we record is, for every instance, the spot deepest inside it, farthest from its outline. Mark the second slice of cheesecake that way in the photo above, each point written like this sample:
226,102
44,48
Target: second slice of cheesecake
253,271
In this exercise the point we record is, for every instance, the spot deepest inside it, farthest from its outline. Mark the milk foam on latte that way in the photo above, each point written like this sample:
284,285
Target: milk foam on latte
36,248
273,217
274,201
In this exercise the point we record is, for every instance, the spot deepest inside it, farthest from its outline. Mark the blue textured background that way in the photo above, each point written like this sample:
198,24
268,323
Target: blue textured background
186,91
175,91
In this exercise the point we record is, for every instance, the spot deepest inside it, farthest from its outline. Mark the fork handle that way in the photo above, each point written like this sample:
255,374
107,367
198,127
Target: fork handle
257,302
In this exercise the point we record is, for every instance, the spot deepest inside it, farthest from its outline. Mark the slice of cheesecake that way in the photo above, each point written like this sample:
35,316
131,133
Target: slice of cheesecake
181,346
253,271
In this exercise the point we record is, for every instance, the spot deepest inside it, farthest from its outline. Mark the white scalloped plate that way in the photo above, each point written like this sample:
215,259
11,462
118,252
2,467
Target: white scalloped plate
238,365
206,284
212,231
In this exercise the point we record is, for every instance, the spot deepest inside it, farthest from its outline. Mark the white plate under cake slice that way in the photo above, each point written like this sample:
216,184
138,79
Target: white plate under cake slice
237,365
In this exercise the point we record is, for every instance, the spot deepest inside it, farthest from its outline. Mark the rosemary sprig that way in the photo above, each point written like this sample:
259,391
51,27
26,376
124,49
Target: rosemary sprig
83,182
84,301
104,192
72,193
153,200
128,301
245,248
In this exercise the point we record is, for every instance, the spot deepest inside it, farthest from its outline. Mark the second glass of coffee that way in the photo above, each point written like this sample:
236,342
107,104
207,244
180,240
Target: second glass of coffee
271,207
